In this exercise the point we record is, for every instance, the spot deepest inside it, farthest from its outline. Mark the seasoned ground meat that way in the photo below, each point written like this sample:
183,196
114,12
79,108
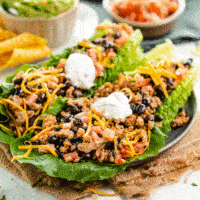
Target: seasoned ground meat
180,120
48,121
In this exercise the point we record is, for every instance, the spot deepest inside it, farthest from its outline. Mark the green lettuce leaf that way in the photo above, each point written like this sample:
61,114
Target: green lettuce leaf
165,51
130,56
176,100
56,106
6,136
85,170
22,68
6,89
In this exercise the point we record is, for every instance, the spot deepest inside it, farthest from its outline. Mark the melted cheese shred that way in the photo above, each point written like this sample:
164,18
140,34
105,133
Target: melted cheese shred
132,95
26,155
20,108
105,194
43,131
6,128
89,125
38,146
14,121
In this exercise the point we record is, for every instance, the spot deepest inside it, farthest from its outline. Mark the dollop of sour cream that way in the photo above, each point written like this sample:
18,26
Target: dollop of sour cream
115,106
80,70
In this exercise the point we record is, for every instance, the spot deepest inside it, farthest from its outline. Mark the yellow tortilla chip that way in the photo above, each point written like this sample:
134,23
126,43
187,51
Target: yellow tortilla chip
5,35
21,56
23,41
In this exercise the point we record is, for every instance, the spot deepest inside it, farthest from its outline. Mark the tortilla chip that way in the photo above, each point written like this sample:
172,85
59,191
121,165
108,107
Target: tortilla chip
5,35
23,41
21,56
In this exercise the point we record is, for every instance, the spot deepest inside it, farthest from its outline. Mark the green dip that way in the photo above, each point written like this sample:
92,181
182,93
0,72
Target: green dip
39,8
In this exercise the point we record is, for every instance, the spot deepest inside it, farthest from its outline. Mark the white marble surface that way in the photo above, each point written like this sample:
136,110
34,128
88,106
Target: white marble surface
16,189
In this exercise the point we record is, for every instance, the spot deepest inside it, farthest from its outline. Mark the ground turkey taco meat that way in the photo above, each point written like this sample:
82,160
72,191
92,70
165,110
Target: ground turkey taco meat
83,133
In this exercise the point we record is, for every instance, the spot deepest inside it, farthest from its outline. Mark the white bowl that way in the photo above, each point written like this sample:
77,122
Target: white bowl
57,30
149,30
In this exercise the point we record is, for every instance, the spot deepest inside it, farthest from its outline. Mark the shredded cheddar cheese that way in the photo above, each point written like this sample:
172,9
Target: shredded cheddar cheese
132,95
105,194
89,125
6,128
43,131
26,155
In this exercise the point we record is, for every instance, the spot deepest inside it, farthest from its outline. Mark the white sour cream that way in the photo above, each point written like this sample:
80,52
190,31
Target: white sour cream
80,70
115,106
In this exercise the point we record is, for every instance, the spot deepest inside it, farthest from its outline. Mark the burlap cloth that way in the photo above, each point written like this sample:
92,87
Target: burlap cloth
138,181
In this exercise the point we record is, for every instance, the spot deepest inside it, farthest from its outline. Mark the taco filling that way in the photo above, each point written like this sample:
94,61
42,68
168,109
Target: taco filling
98,128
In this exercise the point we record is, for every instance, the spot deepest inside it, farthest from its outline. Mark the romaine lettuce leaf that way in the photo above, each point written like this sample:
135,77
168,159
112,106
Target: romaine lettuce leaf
56,106
177,99
85,170
22,68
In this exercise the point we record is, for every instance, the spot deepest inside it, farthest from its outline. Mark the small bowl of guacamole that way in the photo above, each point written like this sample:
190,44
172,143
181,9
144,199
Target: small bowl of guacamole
51,19
37,8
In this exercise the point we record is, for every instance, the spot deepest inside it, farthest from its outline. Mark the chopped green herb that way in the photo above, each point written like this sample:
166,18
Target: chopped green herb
194,184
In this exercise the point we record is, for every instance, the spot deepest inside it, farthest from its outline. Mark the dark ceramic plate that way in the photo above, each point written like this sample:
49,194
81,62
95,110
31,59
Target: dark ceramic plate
175,135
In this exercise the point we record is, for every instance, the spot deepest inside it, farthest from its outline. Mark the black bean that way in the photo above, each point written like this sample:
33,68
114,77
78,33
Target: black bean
117,35
159,92
39,86
85,156
170,81
62,92
30,88
109,145
104,36
53,139
188,62
110,44
74,109
128,96
18,91
18,81
61,142
77,94
175,66
57,129
35,142
146,101
78,122
69,118
59,117
96,41
158,118
76,139
75,129
141,93
112,153
133,107
140,109
2,118
42,98
145,75
149,118
182,110
60,154
50,90
32,120
67,85
106,44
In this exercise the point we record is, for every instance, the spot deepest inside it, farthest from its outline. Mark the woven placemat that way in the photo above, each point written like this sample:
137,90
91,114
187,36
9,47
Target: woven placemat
138,181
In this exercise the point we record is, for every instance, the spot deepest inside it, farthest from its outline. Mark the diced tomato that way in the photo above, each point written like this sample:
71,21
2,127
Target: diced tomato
119,161
70,156
108,135
96,129
95,137
80,132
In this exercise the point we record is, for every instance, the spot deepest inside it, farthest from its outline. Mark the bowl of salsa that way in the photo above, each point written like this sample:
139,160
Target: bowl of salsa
154,18
51,19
